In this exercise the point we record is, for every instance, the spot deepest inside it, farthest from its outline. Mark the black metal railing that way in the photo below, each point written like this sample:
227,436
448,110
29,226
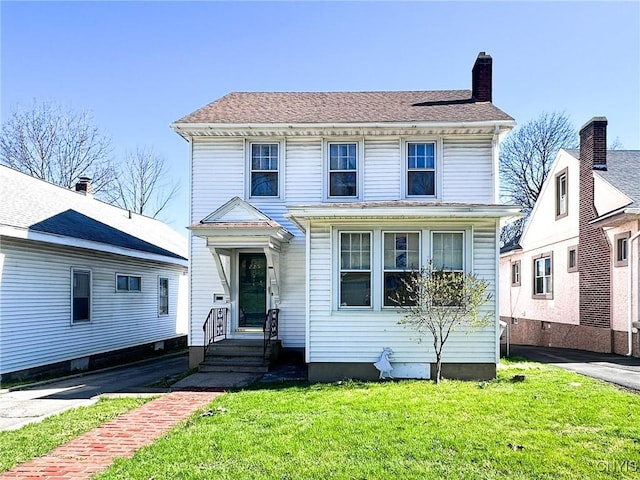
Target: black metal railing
270,328
215,326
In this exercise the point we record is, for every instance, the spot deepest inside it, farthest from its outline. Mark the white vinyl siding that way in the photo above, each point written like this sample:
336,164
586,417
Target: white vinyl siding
332,332
36,308
217,175
467,167
304,170
382,169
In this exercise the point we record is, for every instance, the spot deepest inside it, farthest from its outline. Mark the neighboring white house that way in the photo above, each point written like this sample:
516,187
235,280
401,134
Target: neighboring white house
572,281
83,283
318,203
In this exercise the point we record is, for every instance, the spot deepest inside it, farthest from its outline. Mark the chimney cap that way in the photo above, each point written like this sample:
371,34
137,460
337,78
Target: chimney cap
595,120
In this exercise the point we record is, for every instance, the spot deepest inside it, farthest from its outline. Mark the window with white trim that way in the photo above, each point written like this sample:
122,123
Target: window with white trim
80,295
355,269
515,273
264,169
621,247
128,283
421,169
542,276
561,194
447,251
163,296
343,169
401,257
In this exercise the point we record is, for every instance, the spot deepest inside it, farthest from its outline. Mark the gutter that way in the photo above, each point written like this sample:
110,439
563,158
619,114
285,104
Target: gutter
630,292
230,126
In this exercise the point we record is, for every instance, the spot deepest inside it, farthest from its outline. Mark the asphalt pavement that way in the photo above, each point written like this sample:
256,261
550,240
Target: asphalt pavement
616,369
33,403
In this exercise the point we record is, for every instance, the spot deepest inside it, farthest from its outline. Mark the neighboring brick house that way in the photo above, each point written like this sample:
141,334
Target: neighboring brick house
572,281
318,203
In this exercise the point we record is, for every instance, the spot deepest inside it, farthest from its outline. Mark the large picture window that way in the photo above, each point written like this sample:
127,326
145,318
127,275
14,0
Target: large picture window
401,256
343,169
80,295
355,269
264,170
421,169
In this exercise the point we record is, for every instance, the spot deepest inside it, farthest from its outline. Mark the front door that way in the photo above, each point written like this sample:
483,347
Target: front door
252,289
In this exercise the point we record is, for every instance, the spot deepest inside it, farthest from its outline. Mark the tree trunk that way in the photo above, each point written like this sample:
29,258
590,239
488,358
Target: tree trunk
438,367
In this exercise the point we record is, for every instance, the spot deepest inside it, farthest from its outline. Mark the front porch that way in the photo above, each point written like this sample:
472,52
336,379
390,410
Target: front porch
248,353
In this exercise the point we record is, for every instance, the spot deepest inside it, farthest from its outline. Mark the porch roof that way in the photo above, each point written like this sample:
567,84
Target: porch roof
398,209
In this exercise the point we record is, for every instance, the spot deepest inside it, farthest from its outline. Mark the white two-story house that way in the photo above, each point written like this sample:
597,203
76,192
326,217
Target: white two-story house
317,204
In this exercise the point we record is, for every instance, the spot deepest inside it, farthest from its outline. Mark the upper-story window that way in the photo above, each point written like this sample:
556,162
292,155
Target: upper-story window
264,170
561,194
421,169
343,169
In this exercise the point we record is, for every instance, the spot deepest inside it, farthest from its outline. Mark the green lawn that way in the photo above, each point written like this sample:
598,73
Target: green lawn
36,439
554,425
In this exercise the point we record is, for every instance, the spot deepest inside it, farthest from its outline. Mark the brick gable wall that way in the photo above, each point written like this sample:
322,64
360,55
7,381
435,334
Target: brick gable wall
594,254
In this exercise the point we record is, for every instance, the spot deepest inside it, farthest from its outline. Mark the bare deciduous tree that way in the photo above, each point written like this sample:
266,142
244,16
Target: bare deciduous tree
143,185
525,159
436,303
58,145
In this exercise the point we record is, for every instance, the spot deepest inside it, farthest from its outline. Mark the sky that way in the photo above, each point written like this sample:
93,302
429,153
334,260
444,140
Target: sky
139,66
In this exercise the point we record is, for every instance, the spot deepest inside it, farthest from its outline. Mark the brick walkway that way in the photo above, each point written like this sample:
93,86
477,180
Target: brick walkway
94,451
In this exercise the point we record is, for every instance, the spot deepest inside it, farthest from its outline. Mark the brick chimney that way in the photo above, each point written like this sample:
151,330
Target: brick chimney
594,253
84,186
481,78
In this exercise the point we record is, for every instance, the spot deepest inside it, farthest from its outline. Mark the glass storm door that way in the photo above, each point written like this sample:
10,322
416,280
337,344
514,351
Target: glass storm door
252,289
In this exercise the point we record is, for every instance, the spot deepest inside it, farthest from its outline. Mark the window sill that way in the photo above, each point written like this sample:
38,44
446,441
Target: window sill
546,296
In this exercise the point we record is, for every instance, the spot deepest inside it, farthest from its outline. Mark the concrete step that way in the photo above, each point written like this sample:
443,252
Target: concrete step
239,355
241,348
233,368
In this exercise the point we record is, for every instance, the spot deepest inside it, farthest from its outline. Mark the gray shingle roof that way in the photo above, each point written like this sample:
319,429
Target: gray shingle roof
35,205
623,171
346,107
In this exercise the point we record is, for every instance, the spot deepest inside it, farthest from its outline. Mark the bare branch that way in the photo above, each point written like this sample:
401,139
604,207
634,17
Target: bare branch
438,303
143,185
526,157
57,145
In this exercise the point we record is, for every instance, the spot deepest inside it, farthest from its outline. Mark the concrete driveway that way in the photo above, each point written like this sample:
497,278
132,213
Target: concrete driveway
31,404
617,369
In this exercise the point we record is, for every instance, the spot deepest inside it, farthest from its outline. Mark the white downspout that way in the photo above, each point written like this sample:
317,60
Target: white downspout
630,291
